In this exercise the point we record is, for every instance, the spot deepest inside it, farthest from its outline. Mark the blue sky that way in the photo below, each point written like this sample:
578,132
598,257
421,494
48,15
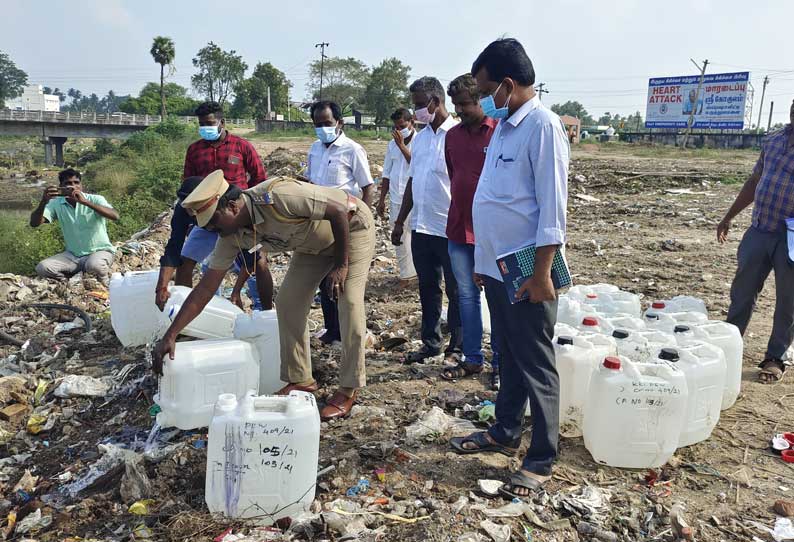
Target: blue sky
599,53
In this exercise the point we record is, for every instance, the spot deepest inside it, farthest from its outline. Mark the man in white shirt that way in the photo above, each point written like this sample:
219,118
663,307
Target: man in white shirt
395,178
520,201
336,161
427,193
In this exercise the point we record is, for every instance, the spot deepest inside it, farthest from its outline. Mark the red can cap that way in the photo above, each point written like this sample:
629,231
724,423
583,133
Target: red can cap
612,362
658,305
787,455
592,296
590,321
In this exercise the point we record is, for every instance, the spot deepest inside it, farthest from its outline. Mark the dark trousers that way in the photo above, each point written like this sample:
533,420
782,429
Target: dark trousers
431,260
529,373
759,253
330,315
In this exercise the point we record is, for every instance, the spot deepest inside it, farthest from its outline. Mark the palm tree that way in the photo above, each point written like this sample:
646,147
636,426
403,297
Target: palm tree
163,52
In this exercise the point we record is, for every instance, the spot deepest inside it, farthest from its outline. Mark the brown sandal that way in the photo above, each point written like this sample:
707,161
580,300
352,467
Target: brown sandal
772,371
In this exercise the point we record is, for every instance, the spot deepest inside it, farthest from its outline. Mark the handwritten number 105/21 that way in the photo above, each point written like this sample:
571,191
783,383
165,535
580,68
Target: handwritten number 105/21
276,465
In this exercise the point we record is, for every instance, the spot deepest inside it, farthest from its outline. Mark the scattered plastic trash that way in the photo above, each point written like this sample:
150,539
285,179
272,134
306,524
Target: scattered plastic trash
680,525
113,456
135,484
472,537
36,423
594,532
489,488
141,508
76,385
142,531
33,522
361,487
783,530
380,474
41,390
435,423
487,412
590,503
63,327
498,533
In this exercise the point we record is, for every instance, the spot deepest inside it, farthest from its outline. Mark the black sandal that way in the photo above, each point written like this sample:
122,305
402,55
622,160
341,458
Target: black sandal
483,445
519,479
420,355
461,370
772,371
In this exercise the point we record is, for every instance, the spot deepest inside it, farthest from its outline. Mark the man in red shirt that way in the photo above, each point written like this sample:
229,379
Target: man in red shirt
242,167
464,151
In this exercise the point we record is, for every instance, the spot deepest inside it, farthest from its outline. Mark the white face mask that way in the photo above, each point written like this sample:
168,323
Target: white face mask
406,132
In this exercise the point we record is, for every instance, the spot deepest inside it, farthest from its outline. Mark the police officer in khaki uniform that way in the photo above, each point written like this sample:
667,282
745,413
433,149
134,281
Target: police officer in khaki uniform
330,233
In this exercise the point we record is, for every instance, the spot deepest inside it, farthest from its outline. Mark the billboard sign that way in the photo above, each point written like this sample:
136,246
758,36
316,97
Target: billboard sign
720,105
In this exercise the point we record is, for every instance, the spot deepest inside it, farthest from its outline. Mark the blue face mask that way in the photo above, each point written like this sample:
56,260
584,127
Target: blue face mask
326,134
210,133
489,106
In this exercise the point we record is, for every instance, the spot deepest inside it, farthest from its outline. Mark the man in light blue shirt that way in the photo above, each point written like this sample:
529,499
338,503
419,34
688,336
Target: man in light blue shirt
520,201
83,222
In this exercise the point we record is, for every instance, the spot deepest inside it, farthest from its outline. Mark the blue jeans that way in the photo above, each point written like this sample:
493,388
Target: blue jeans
462,259
199,245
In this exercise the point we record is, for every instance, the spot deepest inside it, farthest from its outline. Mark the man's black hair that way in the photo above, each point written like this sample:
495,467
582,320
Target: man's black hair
210,108
402,113
430,86
232,193
506,58
188,185
67,174
336,111
463,83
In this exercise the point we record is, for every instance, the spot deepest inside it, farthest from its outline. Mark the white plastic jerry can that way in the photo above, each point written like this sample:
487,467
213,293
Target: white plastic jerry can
634,413
728,338
704,367
680,303
666,321
135,318
199,372
216,320
261,329
262,455
577,357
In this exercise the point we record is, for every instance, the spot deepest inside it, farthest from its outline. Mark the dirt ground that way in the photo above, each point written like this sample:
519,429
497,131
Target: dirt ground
629,230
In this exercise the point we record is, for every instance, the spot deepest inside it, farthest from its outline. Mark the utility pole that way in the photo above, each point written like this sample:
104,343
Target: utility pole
322,47
697,97
541,90
289,108
760,109
269,109
771,108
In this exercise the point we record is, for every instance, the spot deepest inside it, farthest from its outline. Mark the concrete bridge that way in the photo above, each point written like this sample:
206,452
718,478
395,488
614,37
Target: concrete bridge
55,127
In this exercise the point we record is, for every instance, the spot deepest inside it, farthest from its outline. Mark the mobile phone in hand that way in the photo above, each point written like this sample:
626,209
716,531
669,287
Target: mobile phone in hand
65,191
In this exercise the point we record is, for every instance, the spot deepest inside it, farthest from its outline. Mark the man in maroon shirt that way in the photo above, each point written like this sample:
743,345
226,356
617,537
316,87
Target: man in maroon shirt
242,167
464,151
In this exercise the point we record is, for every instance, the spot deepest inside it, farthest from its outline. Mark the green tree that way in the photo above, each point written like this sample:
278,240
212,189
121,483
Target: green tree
148,101
574,109
387,88
163,53
251,94
219,72
344,81
12,79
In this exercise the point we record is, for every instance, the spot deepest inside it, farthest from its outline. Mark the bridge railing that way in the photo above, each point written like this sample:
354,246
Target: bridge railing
90,117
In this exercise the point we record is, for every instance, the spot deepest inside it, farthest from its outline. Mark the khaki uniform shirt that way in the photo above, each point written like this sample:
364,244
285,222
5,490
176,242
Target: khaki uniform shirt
287,215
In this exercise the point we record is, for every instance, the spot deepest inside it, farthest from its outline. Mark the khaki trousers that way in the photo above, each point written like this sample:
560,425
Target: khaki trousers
64,265
306,272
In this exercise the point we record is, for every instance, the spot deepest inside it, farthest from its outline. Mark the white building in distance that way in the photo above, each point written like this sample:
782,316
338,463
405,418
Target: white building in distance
34,99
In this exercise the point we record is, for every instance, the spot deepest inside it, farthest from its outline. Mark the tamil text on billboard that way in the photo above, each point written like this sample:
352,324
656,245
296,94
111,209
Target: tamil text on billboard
719,105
